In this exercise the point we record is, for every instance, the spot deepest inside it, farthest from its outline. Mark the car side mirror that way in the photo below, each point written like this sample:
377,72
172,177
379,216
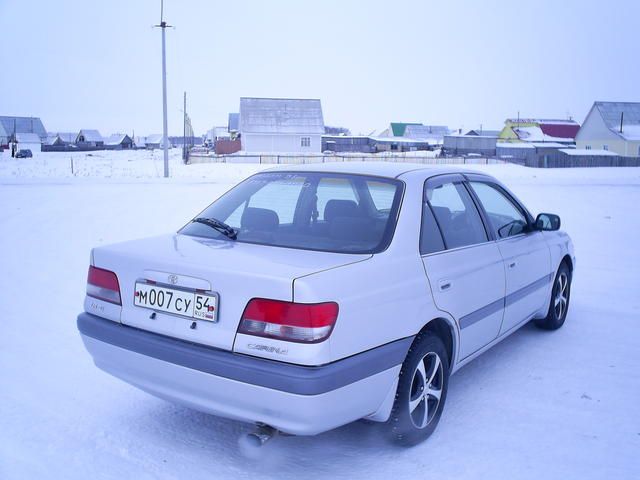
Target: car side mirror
547,222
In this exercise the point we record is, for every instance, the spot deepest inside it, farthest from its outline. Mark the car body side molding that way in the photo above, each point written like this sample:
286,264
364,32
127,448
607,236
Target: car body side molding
503,302
286,377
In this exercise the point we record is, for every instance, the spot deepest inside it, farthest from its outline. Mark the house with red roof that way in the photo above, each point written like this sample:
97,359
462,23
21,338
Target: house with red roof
535,130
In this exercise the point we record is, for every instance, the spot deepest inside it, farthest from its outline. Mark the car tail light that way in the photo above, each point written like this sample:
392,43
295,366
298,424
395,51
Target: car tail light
293,322
103,284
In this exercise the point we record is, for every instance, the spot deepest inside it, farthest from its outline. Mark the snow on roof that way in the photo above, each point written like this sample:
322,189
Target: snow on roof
536,134
613,112
281,115
28,138
66,137
155,138
514,145
90,135
590,153
548,145
23,125
483,133
540,121
631,132
115,139
426,131
398,140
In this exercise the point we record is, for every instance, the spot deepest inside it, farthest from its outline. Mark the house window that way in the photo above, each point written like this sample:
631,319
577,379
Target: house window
305,141
587,147
605,147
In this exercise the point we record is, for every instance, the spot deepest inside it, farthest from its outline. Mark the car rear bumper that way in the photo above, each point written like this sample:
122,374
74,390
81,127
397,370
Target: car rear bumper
296,399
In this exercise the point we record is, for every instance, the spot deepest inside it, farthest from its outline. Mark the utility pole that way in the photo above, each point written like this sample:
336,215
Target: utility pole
184,129
165,135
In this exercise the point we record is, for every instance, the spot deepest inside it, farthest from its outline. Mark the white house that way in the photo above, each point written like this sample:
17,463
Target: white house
612,126
283,125
90,138
28,141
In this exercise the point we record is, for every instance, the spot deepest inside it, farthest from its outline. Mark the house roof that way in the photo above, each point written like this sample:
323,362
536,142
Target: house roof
154,138
560,130
116,139
398,128
90,135
281,115
425,132
28,138
483,133
23,125
555,121
612,112
65,137
585,152
537,133
234,122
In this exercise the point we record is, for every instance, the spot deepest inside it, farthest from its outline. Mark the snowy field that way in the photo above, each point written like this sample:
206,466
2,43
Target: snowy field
552,405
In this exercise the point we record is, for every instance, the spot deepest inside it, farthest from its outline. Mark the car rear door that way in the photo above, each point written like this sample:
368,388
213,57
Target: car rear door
463,264
526,254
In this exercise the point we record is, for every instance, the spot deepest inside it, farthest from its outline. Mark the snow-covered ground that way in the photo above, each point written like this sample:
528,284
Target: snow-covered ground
539,405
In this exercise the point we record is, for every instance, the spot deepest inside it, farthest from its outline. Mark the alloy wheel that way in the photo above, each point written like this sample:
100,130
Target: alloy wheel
426,390
562,295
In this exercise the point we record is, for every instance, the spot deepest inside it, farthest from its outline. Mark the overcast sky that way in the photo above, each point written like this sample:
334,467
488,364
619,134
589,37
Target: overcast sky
85,64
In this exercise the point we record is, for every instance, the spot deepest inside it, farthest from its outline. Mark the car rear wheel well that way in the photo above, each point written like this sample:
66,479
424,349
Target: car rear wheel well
442,329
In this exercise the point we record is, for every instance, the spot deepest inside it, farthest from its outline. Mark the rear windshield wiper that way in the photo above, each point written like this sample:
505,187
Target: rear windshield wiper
217,225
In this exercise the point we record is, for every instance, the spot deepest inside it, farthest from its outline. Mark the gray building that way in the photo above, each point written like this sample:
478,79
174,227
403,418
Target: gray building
485,145
16,125
348,143
281,125
433,134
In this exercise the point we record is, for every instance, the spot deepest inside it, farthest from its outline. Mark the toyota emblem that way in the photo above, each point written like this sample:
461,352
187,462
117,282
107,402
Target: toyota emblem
173,279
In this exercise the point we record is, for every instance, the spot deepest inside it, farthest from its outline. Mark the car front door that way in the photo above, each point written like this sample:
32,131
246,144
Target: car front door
463,265
526,255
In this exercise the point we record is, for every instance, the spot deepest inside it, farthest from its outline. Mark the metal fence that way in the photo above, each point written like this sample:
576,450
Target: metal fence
304,159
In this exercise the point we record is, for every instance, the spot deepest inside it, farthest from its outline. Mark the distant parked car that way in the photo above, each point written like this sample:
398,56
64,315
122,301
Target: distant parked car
311,296
24,153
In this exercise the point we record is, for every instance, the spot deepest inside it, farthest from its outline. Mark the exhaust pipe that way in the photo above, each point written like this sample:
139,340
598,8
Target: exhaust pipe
261,435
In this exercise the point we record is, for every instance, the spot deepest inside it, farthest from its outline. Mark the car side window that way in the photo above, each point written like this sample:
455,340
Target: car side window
430,237
506,218
456,215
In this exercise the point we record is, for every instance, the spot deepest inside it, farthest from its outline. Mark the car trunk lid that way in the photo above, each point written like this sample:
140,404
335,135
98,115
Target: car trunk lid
235,271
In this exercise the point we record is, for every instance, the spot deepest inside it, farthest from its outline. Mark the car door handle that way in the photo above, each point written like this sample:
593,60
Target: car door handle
444,285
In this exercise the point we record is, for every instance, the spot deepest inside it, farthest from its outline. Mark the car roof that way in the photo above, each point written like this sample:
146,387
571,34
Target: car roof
379,169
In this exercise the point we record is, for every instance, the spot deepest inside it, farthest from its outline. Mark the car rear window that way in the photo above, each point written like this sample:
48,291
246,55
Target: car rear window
307,210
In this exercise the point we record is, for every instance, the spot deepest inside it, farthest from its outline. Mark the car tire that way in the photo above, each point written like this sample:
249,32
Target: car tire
559,304
422,391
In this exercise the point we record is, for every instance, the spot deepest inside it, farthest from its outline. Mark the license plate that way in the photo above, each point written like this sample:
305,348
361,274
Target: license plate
201,306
